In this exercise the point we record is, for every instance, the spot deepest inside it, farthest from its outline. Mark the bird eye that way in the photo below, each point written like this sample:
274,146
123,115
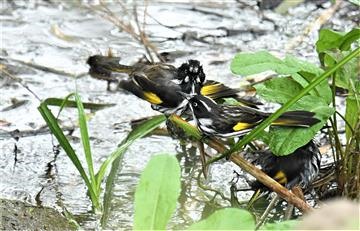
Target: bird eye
195,104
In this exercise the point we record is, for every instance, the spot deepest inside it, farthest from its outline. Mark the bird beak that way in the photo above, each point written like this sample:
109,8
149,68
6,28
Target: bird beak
184,95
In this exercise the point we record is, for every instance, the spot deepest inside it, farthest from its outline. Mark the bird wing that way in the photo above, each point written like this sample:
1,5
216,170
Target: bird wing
242,118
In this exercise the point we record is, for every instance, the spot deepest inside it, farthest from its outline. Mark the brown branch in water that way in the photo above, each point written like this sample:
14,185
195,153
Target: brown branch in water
264,179
248,167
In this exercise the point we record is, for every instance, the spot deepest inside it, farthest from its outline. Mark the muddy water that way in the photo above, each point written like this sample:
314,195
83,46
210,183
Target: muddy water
61,36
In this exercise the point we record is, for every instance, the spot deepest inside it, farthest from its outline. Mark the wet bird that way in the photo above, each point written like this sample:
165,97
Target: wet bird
294,171
160,83
298,168
229,121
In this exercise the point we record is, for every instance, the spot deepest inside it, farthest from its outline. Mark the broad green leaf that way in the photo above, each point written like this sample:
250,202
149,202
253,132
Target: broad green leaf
256,131
321,90
352,114
350,71
140,131
328,39
349,38
302,65
283,225
278,90
226,219
253,63
157,193
285,140
307,73
335,41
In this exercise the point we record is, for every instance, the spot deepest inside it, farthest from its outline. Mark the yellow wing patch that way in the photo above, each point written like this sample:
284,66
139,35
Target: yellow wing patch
152,98
280,177
210,89
242,126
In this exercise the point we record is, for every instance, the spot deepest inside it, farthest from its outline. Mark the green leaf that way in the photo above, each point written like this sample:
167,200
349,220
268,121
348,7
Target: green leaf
328,39
321,90
284,225
85,140
307,72
72,103
157,193
256,131
55,129
253,63
278,90
302,65
351,115
356,2
285,140
349,38
345,74
227,219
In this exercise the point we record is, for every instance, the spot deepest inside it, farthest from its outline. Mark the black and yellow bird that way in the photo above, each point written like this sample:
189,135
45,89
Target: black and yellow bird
228,121
160,83
298,168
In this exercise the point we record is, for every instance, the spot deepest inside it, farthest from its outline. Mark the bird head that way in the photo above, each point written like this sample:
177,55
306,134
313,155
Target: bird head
201,106
191,73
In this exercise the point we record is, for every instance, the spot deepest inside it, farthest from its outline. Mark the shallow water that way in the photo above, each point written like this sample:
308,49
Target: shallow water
61,36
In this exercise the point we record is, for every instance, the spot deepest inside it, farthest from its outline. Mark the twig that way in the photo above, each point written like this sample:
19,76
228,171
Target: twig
128,27
267,211
210,189
48,69
246,166
18,80
142,34
202,158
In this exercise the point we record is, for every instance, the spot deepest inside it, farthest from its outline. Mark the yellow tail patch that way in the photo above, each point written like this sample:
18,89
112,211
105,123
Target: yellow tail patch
242,126
152,98
210,89
280,177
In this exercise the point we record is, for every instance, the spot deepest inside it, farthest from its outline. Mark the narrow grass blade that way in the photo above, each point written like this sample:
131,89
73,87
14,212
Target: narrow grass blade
71,103
86,141
63,141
